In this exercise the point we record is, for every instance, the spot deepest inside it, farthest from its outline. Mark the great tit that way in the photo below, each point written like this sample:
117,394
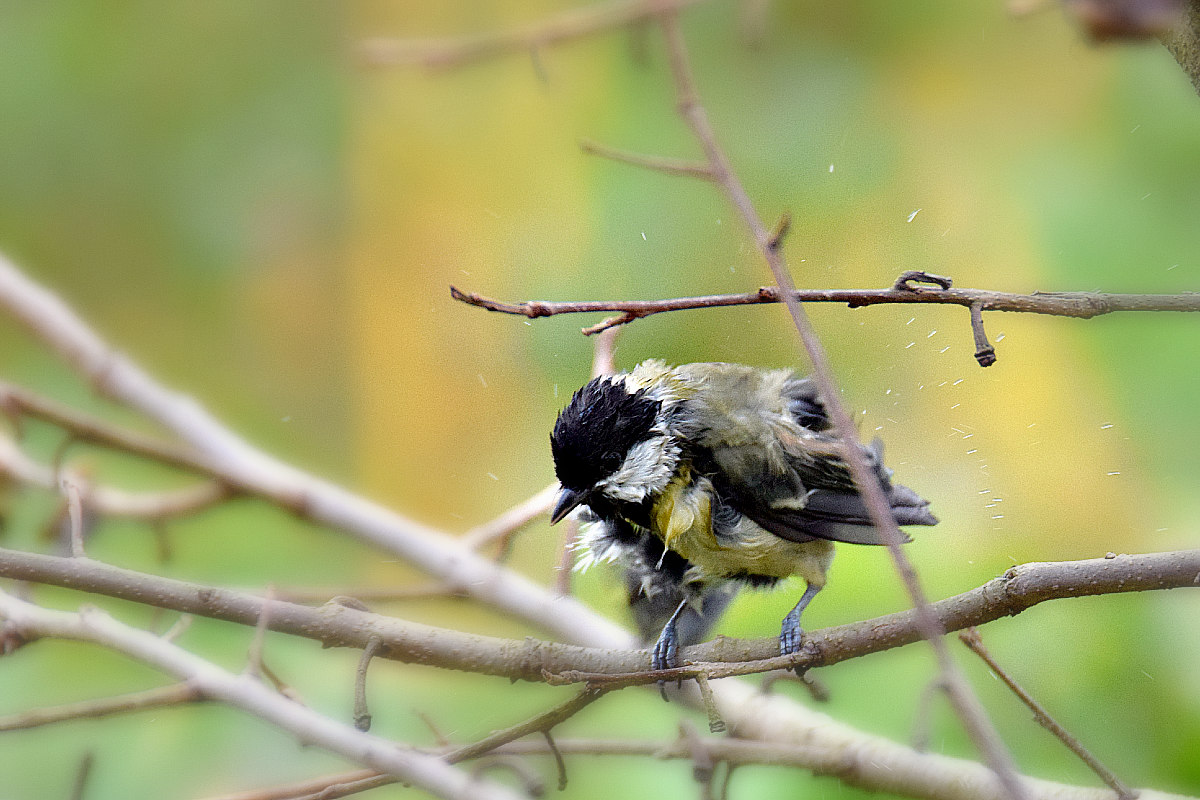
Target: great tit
701,478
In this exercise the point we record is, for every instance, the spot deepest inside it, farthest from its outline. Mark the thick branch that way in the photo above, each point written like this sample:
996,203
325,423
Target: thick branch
248,694
336,625
1183,42
861,767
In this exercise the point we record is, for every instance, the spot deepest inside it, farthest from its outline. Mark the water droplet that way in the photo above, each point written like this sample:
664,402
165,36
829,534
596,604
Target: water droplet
918,211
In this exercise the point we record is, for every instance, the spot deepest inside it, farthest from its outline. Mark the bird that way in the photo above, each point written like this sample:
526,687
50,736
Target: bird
702,478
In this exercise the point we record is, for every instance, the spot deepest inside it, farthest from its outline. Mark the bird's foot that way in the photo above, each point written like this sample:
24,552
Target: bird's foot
791,637
665,654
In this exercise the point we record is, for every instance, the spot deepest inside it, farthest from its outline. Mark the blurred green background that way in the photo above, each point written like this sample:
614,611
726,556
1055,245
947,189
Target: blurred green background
234,200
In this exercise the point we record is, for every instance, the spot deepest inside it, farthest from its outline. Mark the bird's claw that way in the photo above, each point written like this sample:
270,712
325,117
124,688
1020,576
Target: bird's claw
665,655
791,637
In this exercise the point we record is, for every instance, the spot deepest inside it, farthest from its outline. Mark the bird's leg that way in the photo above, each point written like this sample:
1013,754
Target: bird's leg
666,650
792,635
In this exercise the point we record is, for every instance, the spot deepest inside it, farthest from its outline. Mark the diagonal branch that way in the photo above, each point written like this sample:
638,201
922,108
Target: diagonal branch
965,703
233,461
174,695
971,638
248,694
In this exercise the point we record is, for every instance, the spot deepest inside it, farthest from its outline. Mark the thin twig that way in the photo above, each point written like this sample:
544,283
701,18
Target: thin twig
75,515
669,166
107,501
970,637
342,785
569,25
82,773
91,429
965,703
174,695
1077,305
362,715
324,788
715,723
511,520
985,354
255,659
542,722
559,762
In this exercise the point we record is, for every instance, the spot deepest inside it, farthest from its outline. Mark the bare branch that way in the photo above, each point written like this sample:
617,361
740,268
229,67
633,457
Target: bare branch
229,459
345,784
860,767
244,693
75,515
362,713
970,637
564,27
669,166
92,709
965,703
337,625
511,520
1078,305
108,501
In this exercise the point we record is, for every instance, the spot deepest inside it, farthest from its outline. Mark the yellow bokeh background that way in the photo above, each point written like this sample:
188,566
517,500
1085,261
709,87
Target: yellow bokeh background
233,198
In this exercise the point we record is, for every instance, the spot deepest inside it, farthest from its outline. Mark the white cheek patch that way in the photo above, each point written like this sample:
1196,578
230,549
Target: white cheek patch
647,469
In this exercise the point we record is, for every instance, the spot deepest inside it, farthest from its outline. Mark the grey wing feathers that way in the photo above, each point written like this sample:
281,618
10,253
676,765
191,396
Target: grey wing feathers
825,504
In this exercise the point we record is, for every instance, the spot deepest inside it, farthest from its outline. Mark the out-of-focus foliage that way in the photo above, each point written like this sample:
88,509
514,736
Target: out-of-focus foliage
231,199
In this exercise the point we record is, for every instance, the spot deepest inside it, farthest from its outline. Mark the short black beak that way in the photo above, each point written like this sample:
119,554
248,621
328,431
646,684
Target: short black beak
568,501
